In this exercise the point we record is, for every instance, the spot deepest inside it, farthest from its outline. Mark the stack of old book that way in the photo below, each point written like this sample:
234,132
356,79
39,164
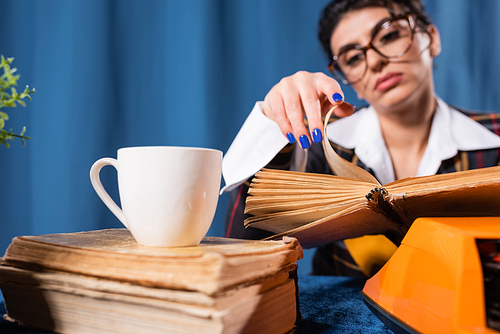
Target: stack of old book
103,281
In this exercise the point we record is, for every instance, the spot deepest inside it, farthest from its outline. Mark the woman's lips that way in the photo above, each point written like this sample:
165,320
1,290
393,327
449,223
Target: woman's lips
388,81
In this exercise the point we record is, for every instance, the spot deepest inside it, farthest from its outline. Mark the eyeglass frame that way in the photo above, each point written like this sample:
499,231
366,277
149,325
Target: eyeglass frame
411,21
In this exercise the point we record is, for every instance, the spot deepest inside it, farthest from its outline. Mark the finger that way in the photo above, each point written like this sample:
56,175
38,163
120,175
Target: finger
318,96
312,108
274,108
330,91
326,86
295,115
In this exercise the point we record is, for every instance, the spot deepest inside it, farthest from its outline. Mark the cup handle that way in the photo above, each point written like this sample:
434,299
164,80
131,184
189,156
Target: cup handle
99,189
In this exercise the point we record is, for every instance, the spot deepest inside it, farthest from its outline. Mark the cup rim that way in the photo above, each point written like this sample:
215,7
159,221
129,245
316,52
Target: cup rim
190,148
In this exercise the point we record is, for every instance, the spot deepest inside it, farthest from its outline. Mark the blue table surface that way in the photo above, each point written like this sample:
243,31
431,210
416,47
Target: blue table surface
328,305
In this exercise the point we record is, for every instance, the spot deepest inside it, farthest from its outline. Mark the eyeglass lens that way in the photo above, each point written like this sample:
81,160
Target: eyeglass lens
392,40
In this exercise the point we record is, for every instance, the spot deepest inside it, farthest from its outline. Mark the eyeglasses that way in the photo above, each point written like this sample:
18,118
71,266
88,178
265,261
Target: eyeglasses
392,38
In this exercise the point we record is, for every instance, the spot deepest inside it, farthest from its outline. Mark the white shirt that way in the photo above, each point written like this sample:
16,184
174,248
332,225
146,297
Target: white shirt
260,140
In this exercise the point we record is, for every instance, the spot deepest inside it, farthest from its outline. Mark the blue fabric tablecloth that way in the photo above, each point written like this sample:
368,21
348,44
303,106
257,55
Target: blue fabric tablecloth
328,305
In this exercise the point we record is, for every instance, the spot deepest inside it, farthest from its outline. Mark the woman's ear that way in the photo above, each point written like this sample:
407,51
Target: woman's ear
435,46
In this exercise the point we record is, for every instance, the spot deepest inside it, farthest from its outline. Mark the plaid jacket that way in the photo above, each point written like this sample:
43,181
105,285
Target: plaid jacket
334,259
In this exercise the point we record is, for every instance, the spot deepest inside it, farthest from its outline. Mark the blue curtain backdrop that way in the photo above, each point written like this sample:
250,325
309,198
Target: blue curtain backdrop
110,74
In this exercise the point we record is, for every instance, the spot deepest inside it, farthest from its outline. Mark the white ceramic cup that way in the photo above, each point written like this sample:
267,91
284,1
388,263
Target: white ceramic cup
168,194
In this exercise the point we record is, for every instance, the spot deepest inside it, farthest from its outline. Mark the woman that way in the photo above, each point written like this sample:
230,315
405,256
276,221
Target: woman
385,51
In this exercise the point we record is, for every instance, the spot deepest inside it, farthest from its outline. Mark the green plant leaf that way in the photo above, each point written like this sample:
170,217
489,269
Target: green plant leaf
11,99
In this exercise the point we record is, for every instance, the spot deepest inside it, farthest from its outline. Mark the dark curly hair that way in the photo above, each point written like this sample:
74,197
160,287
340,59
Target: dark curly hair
335,11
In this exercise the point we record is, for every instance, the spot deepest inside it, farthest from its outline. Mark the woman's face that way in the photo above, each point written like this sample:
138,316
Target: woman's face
388,83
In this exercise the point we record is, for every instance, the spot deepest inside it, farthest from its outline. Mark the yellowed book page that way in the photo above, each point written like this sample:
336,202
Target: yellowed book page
279,222
353,222
480,200
274,176
465,178
338,165
461,194
269,204
272,192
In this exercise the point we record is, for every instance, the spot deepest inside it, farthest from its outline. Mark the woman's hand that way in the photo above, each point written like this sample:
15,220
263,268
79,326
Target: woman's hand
304,94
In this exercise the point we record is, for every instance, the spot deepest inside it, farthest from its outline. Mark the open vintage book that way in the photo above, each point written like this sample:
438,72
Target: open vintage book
318,209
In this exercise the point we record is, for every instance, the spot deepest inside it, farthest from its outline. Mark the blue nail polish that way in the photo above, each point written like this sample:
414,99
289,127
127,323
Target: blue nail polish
317,135
337,97
290,137
304,142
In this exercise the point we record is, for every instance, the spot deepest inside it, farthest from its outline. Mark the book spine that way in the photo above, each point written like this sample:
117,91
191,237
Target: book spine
380,201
